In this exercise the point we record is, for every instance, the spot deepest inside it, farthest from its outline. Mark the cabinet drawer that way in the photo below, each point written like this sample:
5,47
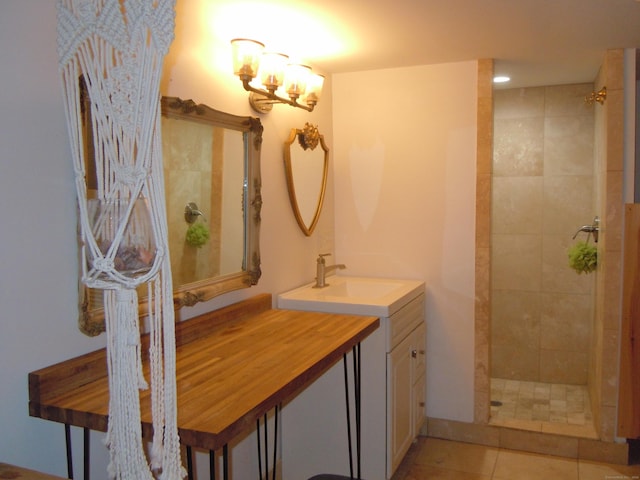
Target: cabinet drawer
402,322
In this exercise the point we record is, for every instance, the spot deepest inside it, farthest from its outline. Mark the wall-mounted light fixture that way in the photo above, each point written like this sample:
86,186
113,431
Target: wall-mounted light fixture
275,73
599,96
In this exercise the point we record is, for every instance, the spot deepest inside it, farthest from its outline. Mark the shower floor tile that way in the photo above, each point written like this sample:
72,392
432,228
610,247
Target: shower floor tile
546,407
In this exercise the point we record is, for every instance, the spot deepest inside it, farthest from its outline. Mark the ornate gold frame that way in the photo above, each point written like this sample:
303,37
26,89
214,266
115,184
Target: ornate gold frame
91,319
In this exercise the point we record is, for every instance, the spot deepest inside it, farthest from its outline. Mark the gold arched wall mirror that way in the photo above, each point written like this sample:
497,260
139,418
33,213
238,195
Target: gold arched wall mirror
306,163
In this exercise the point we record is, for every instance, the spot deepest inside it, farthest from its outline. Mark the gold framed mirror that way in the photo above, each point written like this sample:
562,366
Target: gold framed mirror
211,163
306,164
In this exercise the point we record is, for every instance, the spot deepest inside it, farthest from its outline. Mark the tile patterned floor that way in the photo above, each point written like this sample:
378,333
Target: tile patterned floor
542,407
435,459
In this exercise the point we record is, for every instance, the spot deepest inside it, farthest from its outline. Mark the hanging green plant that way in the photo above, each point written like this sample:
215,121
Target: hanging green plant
583,258
197,235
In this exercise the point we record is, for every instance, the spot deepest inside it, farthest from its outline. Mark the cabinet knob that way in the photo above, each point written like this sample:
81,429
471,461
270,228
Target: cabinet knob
414,353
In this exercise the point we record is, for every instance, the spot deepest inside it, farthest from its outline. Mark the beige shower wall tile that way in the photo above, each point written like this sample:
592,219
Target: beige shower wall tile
519,103
615,130
518,146
567,204
610,356
562,100
613,221
516,261
463,431
484,138
557,275
540,443
485,78
595,450
559,366
515,363
517,205
565,322
481,405
608,419
483,290
568,145
184,143
614,69
516,319
611,288
483,211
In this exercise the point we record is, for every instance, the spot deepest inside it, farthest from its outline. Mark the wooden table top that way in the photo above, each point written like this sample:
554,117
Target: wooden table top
233,365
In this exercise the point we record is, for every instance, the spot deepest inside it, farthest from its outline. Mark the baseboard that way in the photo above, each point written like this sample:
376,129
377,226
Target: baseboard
528,441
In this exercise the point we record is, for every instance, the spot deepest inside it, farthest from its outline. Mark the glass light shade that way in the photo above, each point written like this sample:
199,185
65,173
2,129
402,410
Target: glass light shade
314,88
246,57
295,79
272,70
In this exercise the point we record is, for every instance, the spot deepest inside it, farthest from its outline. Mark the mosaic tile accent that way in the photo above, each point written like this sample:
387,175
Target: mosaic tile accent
528,405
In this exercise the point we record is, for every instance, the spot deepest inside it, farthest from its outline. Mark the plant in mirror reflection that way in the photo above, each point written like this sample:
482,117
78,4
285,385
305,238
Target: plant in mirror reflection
197,235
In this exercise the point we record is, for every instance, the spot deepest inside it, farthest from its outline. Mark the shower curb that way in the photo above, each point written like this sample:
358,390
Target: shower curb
568,446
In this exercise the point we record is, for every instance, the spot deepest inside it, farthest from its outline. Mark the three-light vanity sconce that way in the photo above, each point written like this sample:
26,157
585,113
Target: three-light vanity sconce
301,85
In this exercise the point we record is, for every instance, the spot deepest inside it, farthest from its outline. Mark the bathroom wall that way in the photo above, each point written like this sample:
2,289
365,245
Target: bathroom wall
543,180
405,163
38,250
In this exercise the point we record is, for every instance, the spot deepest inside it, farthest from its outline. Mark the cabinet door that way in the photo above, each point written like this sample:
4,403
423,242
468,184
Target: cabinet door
399,395
419,377
419,402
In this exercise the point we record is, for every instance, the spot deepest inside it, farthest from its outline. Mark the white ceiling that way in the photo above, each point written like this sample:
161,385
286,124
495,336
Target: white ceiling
536,42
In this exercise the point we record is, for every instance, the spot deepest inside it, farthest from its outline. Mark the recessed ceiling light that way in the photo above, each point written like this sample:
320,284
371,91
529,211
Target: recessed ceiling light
501,79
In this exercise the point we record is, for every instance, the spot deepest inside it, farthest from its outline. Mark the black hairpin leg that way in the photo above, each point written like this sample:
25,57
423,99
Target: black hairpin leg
212,465
357,394
189,463
87,454
358,389
265,476
225,462
67,439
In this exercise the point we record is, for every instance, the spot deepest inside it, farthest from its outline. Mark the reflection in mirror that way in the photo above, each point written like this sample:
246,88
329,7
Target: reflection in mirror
213,193
193,155
306,168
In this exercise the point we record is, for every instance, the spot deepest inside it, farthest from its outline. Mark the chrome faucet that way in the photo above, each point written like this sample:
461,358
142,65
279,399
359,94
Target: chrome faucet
322,269
590,229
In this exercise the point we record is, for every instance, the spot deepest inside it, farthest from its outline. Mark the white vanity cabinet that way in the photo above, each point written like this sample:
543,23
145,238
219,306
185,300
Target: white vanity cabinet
393,392
406,389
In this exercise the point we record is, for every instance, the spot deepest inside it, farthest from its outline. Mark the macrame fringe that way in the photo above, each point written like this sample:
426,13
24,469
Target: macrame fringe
127,458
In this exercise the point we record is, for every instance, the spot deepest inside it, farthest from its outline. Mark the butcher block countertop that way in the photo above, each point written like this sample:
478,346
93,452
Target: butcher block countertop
233,365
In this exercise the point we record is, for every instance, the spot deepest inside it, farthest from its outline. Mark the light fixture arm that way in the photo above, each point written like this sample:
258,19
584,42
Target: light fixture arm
263,100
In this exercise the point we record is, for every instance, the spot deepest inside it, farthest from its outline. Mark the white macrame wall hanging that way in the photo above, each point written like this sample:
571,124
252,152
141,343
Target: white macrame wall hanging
117,48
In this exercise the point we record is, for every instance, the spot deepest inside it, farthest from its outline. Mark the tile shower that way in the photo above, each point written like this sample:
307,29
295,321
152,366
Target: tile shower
543,191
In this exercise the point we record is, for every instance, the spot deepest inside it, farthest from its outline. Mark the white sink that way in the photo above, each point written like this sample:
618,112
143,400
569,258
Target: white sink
379,297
